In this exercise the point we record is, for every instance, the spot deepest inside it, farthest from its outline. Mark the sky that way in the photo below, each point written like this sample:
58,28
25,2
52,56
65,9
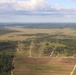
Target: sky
37,10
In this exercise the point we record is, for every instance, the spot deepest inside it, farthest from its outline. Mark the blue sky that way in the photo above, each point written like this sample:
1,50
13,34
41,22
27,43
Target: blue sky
37,10
63,3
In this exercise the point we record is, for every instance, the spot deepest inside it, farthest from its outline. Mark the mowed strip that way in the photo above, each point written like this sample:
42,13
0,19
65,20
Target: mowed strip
43,66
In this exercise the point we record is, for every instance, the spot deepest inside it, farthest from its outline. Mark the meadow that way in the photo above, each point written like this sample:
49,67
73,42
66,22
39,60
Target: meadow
38,51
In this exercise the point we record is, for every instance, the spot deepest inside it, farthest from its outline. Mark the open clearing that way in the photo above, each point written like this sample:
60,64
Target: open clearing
25,65
22,31
44,66
27,62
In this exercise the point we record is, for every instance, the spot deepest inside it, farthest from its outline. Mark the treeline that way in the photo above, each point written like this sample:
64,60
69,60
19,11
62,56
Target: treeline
38,34
7,54
4,30
50,25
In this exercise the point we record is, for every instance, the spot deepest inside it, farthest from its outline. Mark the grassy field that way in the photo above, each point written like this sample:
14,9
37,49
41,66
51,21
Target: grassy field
38,63
44,66
74,72
18,35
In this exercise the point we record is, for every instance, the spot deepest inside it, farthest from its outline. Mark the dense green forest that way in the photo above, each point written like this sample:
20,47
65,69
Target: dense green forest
7,54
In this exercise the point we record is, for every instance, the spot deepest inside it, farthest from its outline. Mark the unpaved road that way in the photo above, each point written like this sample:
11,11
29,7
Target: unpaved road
73,70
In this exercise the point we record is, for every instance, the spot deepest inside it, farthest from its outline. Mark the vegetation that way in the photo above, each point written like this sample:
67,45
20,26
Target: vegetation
38,34
7,54
4,30
38,50
49,44
51,25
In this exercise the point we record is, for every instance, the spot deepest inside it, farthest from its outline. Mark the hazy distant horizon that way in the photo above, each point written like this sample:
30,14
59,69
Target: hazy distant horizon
7,23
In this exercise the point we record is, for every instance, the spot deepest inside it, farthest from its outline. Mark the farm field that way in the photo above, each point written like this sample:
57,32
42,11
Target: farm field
44,66
38,51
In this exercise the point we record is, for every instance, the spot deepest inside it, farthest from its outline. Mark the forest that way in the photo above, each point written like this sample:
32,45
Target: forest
7,54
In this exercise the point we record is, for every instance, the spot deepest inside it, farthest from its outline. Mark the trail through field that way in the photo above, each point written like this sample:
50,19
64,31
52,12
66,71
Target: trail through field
11,72
30,51
41,50
53,51
73,70
20,48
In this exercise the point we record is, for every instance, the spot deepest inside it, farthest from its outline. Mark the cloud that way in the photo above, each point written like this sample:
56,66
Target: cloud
23,6
26,4
34,8
31,5
7,1
67,16
57,7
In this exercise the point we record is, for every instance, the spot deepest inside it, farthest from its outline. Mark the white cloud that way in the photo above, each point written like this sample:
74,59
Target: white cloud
26,4
30,4
57,7
24,7
7,1
33,7
67,16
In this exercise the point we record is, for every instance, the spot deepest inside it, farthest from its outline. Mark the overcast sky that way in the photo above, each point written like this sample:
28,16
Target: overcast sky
37,10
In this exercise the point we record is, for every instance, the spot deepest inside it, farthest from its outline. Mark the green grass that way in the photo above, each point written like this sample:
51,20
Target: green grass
40,67
56,44
53,44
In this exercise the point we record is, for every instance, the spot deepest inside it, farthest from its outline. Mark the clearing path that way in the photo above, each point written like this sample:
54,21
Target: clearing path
53,51
73,70
20,48
30,51
11,72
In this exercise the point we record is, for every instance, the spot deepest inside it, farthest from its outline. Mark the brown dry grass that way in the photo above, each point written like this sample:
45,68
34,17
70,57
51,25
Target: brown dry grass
62,66
32,66
14,36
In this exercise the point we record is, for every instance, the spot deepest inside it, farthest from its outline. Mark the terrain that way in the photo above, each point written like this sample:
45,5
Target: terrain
44,49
